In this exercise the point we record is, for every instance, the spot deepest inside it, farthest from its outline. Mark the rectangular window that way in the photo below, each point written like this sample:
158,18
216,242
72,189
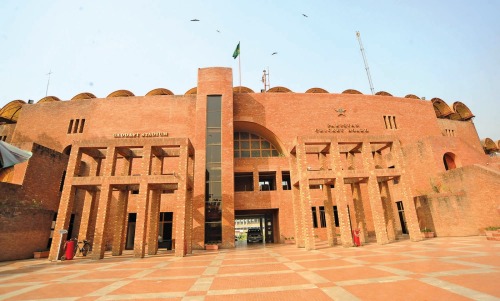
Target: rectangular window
322,217
390,122
77,122
243,181
82,124
315,218
213,184
336,216
267,181
70,126
285,180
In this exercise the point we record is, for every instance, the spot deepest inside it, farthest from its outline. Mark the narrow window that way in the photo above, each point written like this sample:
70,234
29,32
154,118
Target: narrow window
70,127
82,124
322,217
394,122
336,216
315,218
77,121
267,181
285,180
62,181
243,181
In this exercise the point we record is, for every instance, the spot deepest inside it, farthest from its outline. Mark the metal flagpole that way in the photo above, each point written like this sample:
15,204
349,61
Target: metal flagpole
239,66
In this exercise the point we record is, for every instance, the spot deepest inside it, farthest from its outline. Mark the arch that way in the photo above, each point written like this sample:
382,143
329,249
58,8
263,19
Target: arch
48,99
462,110
317,90
412,96
383,93
120,93
10,112
489,145
159,91
242,89
255,128
279,89
67,150
192,91
84,95
351,91
449,161
441,108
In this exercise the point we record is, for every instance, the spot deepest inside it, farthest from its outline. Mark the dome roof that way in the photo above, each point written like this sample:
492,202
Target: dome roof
316,90
159,91
10,112
84,95
120,93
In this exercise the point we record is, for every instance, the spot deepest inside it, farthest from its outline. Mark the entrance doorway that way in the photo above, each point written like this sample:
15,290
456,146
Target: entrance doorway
402,218
130,231
263,221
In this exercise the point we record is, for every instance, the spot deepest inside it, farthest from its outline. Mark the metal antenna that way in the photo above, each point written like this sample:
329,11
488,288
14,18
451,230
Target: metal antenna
265,79
48,81
358,35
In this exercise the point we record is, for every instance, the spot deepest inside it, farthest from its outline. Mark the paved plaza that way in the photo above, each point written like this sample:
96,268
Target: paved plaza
464,268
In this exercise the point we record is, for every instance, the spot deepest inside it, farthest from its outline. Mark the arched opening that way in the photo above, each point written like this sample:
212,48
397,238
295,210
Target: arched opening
67,150
449,161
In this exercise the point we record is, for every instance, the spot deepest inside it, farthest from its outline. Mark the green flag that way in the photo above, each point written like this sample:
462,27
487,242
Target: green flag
236,51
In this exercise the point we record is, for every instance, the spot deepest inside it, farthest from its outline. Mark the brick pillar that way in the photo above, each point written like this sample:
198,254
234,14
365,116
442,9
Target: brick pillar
66,203
119,226
154,215
374,195
341,196
182,206
98,245
87,210
141,221
388,211
406,194
297,221
255,173
360,212
103,206
305,198
330,219
62,222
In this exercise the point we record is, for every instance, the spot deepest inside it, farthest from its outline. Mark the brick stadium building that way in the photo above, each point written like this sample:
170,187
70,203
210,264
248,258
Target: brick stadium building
124,170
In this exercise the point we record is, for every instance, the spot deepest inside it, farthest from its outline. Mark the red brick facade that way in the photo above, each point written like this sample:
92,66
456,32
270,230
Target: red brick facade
375,158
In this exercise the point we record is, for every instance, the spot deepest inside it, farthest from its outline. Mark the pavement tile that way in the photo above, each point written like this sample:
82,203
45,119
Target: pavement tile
256,268
488,283
61,289
402,290
352,273
458,268
155,286
264,280
288,295
428,266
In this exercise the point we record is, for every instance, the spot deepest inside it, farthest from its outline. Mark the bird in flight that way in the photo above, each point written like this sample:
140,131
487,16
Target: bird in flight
304,15
194,20
274,53
218,31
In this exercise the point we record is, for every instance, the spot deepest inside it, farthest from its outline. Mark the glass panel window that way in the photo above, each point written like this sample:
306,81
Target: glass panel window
258,146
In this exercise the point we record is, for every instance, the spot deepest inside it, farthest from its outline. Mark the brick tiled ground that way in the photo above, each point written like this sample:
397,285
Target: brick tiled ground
465,268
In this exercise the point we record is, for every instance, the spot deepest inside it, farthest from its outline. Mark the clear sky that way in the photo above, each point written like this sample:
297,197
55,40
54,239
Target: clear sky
448,49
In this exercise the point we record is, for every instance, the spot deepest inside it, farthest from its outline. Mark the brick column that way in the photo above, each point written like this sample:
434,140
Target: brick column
87,210
62,222
305,198
374,195
297,220
360,212
66,203
407,197
341,196
388,211
330,219
119,223
98,245
154,214
103,209
143,201
182,206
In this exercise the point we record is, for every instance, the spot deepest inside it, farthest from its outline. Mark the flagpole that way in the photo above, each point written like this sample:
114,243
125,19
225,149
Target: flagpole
239,67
